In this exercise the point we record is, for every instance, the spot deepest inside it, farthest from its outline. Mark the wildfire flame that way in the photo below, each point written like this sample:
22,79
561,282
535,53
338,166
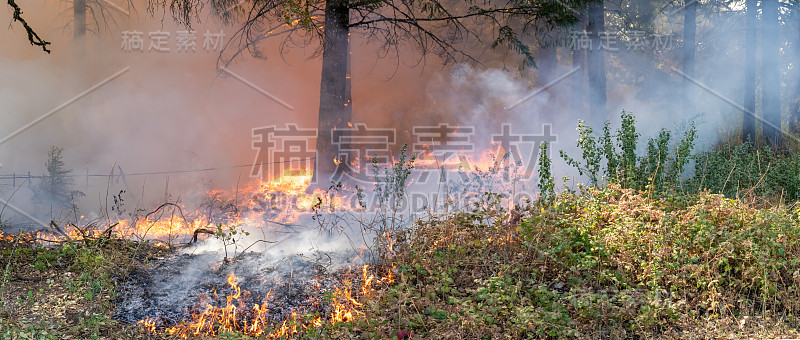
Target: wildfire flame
236,316
285,199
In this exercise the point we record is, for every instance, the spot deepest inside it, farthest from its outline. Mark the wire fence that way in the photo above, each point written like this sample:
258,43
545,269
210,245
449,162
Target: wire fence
15,179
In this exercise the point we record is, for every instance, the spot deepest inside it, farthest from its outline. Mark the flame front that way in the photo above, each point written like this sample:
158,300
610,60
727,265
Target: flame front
235,316
284,200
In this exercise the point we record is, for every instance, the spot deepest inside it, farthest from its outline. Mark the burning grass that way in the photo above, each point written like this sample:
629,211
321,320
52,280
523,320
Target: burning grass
603,263
606,263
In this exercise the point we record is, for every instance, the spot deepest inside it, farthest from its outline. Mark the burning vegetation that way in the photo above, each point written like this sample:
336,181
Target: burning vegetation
647,254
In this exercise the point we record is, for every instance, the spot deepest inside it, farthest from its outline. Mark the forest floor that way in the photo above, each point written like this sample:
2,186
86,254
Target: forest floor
610,263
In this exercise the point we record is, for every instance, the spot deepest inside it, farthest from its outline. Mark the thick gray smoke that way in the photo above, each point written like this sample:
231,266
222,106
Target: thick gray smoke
174,111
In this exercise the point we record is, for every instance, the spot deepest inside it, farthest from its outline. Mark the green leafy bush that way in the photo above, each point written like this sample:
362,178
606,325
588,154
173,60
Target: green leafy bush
736,171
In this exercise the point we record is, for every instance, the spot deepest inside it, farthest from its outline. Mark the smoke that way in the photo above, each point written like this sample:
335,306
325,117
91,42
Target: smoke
176,111
173,111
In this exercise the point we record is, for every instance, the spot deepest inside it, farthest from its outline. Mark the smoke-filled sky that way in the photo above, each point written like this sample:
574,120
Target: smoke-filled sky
175,111
169,111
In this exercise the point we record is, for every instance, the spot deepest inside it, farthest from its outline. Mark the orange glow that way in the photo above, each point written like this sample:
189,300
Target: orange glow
287,199
235,316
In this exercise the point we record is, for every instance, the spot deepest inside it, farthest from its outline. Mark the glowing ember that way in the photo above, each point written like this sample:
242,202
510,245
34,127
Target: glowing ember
237,316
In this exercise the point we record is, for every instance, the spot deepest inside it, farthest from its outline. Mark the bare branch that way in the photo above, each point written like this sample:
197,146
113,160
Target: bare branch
32,36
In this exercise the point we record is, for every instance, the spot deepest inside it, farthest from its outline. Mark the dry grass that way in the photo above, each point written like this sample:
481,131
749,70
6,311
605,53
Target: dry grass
65,291
610,263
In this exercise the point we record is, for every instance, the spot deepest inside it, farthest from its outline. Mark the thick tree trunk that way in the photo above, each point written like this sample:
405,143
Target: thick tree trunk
770,73
596,65
334,101
748,119
689,50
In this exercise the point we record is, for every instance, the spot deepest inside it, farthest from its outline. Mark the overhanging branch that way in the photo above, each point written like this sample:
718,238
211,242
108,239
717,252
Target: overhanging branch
32,36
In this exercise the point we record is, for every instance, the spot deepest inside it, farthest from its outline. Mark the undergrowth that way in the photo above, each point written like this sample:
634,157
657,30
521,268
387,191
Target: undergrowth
661,242
66,290
667,168
606,263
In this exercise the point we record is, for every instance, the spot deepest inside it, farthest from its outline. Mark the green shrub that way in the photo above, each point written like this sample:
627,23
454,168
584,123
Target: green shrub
664,167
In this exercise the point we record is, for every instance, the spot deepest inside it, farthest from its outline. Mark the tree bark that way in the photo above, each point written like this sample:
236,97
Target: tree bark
770,73
596,65
748,119
335,109
689,51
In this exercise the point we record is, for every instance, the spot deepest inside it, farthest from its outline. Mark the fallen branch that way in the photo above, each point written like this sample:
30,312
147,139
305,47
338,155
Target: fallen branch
44,240
107,232
59,230
84,236
201,231
168,205
29,279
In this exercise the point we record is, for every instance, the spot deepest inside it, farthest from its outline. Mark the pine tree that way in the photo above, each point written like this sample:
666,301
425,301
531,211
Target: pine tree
57,185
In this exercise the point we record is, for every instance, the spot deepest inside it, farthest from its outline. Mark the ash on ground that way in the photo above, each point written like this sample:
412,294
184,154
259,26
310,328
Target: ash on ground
180,285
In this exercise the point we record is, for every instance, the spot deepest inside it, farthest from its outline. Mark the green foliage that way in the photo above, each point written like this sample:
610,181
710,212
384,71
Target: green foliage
508,37
391,187
546,185
64,290
610,263
612,160
736,171
682,155
658,170
390,193
744,170
591,154
627,139
57,181
230,235
653,165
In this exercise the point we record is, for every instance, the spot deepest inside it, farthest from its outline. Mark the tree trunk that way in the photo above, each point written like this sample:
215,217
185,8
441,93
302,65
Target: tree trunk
334,98
770,73
794,115
748,119
596,65
79,28
547,64
578,102
689,50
